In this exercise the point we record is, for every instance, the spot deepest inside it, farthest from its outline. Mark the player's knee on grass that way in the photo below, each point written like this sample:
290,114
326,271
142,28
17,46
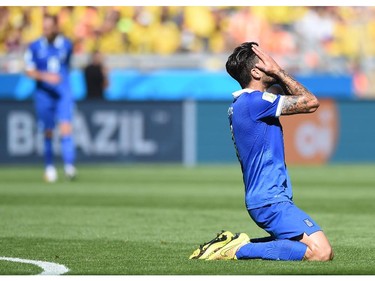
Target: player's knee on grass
319,248
65,129
321,253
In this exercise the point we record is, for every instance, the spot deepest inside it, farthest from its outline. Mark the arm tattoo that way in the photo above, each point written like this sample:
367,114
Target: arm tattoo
294,88
294,105
299,99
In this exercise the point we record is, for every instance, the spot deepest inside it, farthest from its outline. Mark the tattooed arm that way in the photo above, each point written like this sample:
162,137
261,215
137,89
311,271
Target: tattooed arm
297,98
300,99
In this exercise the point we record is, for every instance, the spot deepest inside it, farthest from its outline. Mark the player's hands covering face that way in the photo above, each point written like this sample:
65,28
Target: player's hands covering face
266,63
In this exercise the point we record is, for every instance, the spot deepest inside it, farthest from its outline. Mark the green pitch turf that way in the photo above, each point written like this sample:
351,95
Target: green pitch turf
149,219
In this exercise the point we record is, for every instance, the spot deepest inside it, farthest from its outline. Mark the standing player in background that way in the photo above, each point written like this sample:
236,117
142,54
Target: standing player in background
47,61
258,138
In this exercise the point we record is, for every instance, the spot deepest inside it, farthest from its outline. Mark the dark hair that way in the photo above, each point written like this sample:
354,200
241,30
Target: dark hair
240,63
54,18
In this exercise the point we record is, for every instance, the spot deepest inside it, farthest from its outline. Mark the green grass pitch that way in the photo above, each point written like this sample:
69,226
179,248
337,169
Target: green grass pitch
149,219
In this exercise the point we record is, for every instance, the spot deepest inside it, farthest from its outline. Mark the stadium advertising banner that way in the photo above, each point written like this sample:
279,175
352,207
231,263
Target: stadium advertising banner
103,132
187,132
309,138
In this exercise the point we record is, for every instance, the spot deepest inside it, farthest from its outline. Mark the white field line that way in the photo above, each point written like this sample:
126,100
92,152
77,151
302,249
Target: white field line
49,268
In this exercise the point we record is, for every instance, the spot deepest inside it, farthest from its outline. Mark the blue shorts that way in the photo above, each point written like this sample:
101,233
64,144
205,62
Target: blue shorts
284,220
51,108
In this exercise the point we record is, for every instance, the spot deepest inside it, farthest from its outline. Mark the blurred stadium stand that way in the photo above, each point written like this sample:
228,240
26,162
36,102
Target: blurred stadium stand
179,52
171,85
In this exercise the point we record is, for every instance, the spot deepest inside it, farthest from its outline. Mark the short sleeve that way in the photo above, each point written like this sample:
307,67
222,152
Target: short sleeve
267,105
29,59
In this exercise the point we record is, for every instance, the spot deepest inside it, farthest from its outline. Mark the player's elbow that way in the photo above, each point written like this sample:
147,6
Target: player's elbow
313,105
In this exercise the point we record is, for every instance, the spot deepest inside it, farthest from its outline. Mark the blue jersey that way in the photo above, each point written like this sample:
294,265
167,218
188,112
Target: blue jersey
258,139
51,57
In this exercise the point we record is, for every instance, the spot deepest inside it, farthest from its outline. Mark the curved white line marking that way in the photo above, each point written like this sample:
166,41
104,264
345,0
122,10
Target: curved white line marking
49,268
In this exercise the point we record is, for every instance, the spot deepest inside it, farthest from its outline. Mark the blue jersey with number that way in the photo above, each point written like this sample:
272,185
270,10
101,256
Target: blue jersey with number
51,57
258,139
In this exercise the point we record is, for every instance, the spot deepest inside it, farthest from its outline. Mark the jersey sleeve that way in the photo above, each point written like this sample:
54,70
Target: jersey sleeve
29,59
267,105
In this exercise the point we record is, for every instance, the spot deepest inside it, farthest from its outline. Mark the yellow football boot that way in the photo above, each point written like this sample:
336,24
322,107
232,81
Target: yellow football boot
228,252
205,250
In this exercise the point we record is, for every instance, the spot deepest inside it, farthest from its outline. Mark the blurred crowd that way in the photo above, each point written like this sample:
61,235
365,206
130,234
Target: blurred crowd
319,39
336,31
313,36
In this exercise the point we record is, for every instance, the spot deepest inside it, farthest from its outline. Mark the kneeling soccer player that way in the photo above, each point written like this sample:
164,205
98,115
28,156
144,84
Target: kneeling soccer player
258,139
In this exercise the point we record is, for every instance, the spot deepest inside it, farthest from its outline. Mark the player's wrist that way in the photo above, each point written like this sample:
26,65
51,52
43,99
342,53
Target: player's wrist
45,76
280,73
39,76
